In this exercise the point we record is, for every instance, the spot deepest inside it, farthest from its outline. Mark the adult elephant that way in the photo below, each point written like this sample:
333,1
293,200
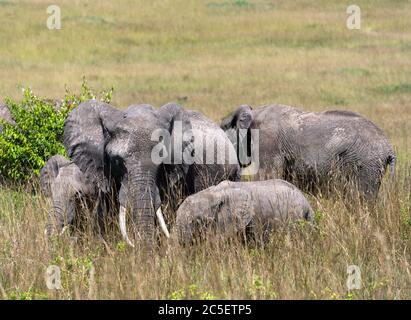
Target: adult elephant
314,150
63,182
143,150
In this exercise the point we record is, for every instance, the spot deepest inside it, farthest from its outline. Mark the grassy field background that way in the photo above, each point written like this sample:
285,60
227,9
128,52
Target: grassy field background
212,56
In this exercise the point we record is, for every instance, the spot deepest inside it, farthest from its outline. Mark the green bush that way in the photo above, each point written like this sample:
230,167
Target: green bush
37,133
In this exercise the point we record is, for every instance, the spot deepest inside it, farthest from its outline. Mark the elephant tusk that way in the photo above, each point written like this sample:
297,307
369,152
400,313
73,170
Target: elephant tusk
163,225
123,230
63,230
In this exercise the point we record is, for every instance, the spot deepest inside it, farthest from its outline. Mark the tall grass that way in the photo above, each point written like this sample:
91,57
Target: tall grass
302,262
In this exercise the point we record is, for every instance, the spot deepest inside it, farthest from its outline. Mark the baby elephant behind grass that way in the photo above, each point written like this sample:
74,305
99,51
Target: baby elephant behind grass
246,208
63,182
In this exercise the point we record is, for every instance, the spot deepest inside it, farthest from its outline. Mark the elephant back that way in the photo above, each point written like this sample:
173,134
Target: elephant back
213,139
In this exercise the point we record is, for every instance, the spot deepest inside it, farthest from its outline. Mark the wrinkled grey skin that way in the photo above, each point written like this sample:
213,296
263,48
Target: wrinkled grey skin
63,182
315,149
113,149
241,207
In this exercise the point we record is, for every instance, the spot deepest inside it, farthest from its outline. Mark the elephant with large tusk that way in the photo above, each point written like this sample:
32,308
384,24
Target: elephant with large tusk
247,208
146,152
317,151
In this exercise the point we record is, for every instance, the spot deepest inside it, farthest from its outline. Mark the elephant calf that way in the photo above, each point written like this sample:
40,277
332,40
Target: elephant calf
64,183
235,207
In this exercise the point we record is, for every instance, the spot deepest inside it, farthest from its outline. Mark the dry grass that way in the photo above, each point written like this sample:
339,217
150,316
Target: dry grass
214,55
303,262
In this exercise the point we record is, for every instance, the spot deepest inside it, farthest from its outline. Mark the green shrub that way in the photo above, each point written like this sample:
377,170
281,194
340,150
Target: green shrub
37,133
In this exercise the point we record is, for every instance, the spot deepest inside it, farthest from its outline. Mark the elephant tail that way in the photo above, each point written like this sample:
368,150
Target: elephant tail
391,161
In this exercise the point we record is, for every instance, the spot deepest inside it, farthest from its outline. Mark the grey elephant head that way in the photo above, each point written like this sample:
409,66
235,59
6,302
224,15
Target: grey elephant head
63,182
233,207
241,118
237,127
124,149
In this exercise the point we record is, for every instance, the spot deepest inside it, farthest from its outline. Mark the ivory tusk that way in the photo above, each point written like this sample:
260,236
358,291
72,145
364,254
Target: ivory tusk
123,230
162,223
63,230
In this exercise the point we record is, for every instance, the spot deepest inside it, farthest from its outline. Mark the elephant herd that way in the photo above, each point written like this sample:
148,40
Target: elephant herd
137,162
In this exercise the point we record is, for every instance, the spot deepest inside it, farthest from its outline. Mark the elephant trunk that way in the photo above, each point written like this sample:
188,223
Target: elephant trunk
142,186
60,215
185,235
144,197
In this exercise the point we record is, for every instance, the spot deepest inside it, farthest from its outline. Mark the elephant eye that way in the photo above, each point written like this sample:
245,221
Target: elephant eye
217,207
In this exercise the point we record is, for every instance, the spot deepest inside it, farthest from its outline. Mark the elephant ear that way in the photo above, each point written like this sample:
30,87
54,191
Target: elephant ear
50,171
236,211
240,119
87,130
182,140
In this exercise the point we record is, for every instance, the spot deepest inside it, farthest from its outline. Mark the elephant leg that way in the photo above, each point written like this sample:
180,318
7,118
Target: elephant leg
204,176
269,167
199,177
101,223
369,182
100,213
278,167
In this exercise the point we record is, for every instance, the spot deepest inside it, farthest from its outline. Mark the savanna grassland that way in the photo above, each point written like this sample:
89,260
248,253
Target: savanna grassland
213,55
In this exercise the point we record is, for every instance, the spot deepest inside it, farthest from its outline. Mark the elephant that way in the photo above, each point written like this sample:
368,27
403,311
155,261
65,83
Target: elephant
233,208
63,182
142,153
317,151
